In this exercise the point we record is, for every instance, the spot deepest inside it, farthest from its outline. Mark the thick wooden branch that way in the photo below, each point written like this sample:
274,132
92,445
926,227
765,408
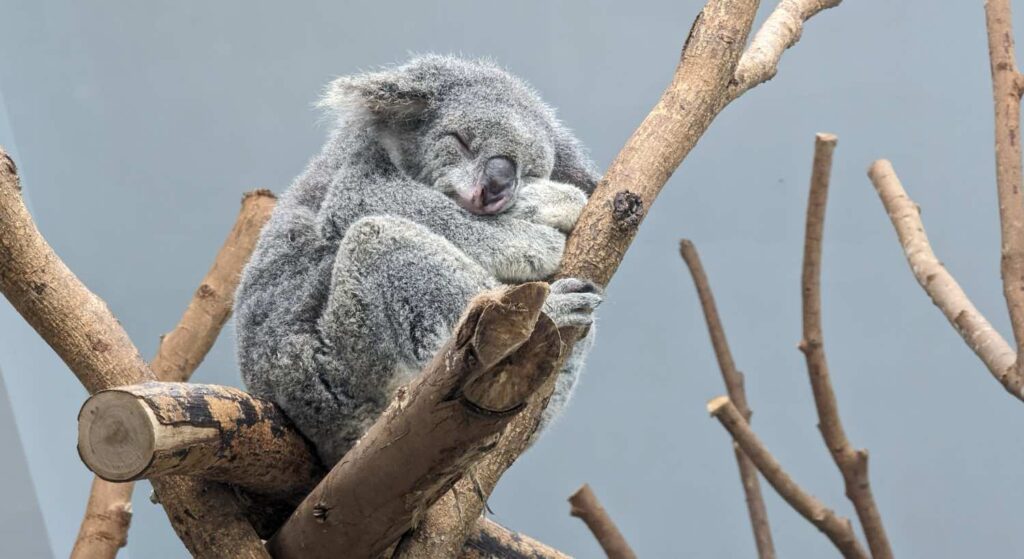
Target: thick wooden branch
852,463
940,285
490,540
733,379
503,349
221,433
585,506
838,529
186,346
82,331
1006,93
779,32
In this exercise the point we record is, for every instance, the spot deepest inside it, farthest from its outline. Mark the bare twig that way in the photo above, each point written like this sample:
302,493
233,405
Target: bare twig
586,507
1006,92
779,32
852,463
179,354
838,529
940,285
491,540
82,331
733,379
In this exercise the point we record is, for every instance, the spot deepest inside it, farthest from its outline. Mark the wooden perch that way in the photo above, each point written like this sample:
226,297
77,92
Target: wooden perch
491,540
838,529
82,331
503,349
1007,87
852,463
586,507
159,428
940,285
607,226
733,379
103,532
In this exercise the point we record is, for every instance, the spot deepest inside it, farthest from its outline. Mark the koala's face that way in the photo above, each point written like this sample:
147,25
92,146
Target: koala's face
466,128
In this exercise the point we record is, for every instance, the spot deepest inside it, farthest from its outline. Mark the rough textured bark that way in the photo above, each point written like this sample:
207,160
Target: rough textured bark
503,349
155,429
838,529
733,379
82,331
940,285
1007,87
586,507
491,540
852,462
104,527
187,345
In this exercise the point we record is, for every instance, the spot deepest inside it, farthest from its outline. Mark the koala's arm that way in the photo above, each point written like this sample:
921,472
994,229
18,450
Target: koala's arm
548,202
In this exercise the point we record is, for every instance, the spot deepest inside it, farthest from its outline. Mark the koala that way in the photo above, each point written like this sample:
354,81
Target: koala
442,178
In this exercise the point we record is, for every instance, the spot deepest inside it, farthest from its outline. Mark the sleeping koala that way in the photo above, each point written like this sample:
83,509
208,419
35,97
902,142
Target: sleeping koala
442,179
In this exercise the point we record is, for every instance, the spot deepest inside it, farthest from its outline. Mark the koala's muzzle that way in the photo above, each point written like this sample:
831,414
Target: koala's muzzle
496,188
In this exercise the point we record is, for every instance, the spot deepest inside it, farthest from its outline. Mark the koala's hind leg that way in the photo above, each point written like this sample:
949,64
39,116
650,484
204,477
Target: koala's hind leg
397,290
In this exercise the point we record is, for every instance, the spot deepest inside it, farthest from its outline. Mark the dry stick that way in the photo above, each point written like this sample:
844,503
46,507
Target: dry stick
219,432
501,352
940,285
838,529
491,540
852,463
1007,87
586,507
180,352
79,327
608,224
733,379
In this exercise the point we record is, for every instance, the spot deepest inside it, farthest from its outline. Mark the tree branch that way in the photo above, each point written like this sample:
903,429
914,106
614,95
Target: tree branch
1006,93
852,463
586,507
491,540
733,379
779,32
82,331
186,346
501,352
940,285
219,432
838,529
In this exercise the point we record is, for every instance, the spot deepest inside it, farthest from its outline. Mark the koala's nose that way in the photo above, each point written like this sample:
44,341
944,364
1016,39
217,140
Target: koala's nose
499,176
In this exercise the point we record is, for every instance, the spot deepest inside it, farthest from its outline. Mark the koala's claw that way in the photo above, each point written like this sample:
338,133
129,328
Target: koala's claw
571,302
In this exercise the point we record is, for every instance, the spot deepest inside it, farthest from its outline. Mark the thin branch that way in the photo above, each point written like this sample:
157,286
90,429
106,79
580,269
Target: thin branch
838,529
940,285
852,463
586,507
779,32
501,352
733,379
491,540
82,331
1006,93
179,354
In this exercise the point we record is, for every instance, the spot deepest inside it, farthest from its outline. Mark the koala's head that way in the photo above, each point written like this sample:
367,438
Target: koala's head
464,127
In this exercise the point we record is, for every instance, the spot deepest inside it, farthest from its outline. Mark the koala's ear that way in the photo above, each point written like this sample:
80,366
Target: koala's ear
387,96
572,165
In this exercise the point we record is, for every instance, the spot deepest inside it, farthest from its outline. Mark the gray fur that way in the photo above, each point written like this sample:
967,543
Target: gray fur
368,261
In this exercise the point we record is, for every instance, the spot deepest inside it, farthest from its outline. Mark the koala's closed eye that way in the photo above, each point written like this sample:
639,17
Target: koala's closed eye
462,143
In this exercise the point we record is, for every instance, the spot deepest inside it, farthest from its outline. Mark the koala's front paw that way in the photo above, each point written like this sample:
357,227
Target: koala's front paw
549,203
571,302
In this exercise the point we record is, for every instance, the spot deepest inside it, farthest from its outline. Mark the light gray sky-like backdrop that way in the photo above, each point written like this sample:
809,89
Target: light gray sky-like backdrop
137,126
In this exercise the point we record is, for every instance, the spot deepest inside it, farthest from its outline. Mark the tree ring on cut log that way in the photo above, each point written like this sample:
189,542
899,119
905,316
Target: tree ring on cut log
115,435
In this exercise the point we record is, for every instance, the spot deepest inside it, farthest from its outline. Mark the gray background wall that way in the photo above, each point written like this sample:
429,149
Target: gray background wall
138,125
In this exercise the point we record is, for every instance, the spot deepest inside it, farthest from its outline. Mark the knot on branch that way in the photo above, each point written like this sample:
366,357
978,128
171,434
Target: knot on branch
627,209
